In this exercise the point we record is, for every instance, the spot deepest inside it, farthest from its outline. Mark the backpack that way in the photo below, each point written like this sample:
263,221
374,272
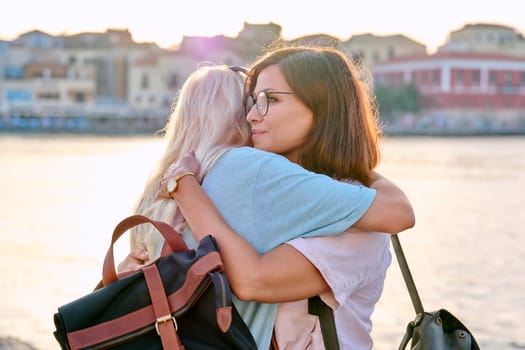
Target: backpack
181,301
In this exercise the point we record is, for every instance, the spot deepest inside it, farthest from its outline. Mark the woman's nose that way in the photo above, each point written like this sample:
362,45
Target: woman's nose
253,115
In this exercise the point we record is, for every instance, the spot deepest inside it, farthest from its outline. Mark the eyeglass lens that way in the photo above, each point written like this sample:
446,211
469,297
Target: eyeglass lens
260,102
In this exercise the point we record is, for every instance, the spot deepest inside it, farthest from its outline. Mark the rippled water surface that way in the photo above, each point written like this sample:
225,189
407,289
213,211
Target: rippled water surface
61,197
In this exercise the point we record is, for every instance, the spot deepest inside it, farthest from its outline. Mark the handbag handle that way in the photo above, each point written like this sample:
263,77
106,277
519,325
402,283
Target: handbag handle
407,276
172,237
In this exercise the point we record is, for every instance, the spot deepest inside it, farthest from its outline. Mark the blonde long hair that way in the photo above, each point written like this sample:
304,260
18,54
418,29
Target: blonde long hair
209,118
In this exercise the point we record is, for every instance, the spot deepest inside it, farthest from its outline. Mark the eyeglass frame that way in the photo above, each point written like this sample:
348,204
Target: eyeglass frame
239,69
251,102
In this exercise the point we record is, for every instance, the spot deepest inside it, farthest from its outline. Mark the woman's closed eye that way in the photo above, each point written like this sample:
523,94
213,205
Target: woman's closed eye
271,97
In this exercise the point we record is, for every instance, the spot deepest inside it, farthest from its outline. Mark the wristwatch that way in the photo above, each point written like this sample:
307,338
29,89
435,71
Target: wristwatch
171,185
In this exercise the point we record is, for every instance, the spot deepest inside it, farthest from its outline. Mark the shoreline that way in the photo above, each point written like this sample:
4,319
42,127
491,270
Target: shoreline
454,133
141,125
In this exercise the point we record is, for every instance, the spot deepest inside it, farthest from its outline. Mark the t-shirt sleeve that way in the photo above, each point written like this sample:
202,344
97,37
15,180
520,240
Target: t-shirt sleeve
289,201
346,261
319,251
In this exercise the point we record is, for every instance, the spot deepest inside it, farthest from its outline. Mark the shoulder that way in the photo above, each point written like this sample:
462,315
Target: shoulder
253,160
244,165
253,155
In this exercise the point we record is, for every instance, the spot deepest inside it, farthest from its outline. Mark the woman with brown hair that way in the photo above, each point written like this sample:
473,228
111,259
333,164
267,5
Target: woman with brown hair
311,109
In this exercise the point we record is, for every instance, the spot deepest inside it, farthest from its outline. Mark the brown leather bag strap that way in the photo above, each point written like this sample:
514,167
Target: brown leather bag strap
104,332
165,324
171,236
178,219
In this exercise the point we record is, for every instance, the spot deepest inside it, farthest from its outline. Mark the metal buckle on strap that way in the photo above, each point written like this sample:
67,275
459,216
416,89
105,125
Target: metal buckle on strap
164,319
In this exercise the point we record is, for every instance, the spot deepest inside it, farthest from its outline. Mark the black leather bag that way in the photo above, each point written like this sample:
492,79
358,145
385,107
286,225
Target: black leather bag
437,330
182,301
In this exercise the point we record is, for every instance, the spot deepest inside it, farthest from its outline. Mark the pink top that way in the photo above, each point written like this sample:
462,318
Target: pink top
354,265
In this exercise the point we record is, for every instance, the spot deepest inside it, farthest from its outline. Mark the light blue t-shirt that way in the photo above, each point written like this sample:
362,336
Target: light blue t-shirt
270,200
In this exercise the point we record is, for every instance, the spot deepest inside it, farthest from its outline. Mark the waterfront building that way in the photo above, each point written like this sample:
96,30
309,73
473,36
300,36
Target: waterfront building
15,56
254,38
366,49
369,49
486,38
107,57
462,87
49,85
38,40
34,82
155,80
478,73
475,80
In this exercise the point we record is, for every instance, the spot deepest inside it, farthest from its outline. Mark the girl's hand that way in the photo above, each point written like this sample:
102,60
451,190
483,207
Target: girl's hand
188,164
133,262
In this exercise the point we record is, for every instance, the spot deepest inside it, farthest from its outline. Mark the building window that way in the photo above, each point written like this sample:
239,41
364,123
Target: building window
507,79
11,72
48,96
166,102
424,78
436,78
476,78
459,77
391,53
505,39
493,78
375,57
79,97
479,37
172,81
18,95
144,82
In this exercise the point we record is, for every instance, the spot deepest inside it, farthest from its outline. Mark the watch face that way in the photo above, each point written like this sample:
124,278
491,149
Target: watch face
171,185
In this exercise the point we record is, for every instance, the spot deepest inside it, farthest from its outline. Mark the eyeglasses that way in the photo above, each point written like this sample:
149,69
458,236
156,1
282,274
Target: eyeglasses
262,101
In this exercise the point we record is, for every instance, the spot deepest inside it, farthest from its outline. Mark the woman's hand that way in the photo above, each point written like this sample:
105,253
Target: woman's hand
188,164
133,262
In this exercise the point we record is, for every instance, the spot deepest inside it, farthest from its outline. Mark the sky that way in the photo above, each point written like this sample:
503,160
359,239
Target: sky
167,21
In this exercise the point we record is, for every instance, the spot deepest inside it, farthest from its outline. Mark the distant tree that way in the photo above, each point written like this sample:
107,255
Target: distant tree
395,100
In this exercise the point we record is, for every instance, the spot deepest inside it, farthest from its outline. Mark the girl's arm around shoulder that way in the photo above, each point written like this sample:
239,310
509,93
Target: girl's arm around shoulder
283,200
390,211
283,274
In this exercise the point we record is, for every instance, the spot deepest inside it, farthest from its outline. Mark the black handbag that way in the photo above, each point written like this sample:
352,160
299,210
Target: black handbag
437,330
181,301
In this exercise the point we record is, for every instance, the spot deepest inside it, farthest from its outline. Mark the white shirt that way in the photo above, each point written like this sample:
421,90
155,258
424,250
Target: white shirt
354,265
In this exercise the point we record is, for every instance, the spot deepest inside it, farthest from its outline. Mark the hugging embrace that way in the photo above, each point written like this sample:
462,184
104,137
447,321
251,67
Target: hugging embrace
278,164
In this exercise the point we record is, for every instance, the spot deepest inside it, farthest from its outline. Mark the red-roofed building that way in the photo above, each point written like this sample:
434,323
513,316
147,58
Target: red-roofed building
452,80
